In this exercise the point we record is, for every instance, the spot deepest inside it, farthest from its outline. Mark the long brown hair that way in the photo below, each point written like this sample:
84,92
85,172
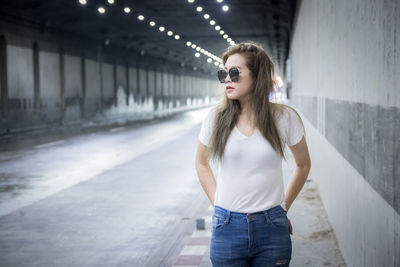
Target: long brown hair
226,117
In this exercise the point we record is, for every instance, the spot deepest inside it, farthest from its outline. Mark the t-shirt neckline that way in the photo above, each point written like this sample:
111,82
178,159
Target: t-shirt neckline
246,136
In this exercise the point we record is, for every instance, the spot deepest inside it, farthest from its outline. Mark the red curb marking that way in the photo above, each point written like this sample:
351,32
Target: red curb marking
199,241
189,260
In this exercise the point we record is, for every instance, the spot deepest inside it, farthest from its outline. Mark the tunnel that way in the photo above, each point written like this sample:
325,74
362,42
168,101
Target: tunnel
104,106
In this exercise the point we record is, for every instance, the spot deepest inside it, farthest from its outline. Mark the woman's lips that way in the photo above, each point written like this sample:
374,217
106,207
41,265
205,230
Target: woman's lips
229,88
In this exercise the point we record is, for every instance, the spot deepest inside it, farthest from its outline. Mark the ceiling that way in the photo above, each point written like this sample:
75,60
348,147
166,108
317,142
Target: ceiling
266,21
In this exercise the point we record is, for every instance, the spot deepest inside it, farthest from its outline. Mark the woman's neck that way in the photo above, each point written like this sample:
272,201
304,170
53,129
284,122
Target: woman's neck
246,112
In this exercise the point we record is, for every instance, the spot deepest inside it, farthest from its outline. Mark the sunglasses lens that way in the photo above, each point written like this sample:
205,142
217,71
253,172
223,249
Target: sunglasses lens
221,75
234,74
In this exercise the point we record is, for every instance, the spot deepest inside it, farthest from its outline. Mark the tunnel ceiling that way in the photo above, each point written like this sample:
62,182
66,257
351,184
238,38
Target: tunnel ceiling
268,22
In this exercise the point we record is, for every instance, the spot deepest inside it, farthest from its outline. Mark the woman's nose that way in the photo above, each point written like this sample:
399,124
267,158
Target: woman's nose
227,78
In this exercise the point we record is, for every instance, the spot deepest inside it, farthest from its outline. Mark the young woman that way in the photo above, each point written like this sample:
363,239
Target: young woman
247,134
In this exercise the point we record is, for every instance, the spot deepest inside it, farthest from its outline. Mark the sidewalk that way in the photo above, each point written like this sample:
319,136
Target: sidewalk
313,240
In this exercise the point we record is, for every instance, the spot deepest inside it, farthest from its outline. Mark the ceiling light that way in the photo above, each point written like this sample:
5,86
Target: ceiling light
101,10
225,8
221,66
199,9
216,63
198,48
229,39
161,29
202,50
209,60
225,36
212,22
194,46
232,43
220,1
152,23
190,1
110,1
206,16
140,17
221,32
170,33
127,10
197,54
82,2
188,43
177,37
217,28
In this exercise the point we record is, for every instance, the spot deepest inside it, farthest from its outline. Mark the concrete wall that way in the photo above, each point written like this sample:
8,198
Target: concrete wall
59,82
345,80
49,75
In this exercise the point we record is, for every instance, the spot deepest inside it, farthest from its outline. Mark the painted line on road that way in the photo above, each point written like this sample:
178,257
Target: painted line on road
116,129
51,144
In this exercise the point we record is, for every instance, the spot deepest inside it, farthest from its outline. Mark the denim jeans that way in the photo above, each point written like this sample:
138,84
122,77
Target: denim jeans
258,239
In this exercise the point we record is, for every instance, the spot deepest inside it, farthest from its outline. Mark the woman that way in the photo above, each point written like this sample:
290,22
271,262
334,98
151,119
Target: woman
247,134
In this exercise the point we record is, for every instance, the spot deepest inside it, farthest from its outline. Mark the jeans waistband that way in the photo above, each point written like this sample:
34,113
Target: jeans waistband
227,213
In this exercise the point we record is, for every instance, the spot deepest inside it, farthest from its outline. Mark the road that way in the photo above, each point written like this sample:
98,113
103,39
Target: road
124,196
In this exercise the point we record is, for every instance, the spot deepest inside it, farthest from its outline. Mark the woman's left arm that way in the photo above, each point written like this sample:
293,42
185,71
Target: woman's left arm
299,176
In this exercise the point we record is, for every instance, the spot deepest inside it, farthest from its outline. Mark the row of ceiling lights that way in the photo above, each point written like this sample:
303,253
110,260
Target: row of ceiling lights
212,22
127,10
224,7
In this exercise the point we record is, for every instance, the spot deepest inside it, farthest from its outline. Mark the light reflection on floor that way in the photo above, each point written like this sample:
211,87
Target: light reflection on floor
31,174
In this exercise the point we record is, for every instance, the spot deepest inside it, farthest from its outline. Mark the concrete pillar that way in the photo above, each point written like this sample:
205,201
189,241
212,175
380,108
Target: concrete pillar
36,77
3,80
83,85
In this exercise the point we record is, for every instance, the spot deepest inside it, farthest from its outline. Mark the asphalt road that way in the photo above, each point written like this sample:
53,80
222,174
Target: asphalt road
125,196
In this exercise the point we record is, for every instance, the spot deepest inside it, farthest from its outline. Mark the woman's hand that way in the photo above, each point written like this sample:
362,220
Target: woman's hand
290,227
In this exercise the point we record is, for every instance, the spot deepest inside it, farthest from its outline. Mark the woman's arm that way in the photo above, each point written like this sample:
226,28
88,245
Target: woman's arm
299,176
204,172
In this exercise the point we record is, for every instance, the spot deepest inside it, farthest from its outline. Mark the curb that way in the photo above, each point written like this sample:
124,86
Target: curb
195,253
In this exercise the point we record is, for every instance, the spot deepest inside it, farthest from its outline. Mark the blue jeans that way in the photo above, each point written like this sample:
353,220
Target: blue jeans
259,239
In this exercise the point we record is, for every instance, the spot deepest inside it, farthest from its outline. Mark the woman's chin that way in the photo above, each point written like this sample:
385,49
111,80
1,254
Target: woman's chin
230,96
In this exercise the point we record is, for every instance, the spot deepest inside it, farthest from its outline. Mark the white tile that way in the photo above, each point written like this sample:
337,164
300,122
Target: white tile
194,250
202,233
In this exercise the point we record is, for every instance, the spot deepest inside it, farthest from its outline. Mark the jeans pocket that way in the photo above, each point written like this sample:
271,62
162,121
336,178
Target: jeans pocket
217,222
280,220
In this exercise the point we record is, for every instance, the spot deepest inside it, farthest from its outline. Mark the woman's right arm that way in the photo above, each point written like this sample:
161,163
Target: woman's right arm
204,171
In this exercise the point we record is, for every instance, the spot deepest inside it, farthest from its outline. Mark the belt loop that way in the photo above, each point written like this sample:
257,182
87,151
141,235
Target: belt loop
267,216
228,216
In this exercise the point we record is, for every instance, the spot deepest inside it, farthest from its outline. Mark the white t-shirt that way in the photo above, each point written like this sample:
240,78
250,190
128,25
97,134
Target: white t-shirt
250,176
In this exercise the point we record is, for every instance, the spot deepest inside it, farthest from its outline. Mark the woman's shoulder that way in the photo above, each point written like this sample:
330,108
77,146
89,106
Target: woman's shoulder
284,111
210,115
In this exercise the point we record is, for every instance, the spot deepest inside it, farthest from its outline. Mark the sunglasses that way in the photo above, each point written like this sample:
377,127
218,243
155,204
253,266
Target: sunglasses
233,74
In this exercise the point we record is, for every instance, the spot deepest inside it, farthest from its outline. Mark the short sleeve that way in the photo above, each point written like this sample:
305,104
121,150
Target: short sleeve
207,127
293,127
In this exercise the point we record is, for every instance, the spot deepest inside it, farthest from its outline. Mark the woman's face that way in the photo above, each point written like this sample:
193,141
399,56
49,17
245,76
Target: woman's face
241,89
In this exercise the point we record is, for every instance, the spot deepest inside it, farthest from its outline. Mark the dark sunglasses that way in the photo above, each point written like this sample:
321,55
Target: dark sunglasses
233,73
